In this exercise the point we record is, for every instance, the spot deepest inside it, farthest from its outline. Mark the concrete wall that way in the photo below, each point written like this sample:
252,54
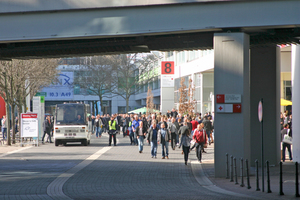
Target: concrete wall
265,83
231,76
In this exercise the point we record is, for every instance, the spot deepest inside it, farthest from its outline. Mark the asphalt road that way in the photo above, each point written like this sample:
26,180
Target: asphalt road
102,172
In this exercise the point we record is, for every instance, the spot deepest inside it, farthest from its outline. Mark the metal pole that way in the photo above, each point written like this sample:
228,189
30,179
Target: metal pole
235,172
297,181
227,168
280,179
248,178
257,176
242,171
231,168
268,178
262,154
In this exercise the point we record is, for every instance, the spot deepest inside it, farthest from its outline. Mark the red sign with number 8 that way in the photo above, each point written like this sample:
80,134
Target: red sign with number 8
167,67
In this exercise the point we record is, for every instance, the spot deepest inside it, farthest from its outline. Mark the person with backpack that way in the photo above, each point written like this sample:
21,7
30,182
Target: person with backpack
200,138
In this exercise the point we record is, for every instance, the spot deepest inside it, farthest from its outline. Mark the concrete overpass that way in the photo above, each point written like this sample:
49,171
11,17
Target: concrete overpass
40,28
243,33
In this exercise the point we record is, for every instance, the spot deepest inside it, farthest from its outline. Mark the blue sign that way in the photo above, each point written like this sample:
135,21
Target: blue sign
63,89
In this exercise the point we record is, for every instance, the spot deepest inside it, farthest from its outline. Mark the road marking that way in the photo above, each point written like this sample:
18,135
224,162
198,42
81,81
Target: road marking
55,188
15,151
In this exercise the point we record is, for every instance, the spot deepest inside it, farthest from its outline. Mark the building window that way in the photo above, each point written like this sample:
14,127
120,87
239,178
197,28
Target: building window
121,109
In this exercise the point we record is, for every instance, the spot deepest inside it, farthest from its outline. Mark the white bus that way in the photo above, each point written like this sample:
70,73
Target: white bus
72,123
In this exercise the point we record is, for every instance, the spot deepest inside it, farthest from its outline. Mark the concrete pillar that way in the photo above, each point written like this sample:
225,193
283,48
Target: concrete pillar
231,76
265,83
296,101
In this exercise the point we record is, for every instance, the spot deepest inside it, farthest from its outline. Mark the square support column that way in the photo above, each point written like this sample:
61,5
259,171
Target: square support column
231,76
265,83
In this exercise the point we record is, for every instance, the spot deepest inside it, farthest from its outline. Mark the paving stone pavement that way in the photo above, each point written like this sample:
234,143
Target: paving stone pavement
101,172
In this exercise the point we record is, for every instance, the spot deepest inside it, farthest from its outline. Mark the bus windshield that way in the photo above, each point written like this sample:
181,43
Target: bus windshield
70,114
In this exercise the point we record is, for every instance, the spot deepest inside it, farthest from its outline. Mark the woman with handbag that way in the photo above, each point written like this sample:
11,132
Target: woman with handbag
286,136
201,139
185,142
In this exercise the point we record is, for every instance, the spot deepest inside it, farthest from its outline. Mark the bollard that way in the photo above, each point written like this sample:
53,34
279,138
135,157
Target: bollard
297,181
248,178
257,177
280,179
242,171
231,168
235,172
268,178
227,168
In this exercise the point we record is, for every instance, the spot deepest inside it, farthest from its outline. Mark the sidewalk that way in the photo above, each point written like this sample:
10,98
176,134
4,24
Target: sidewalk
288,179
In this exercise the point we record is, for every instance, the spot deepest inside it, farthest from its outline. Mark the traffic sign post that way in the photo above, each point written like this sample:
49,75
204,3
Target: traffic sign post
260,118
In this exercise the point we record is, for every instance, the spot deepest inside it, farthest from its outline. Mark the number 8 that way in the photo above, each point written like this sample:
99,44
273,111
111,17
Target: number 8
168,68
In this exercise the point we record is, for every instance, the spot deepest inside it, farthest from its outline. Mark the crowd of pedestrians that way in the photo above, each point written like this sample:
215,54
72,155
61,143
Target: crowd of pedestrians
172,130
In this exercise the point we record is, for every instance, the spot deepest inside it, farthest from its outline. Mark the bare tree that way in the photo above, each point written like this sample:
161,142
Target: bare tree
95,77
130,73
13,75
149,102
183,97
191,101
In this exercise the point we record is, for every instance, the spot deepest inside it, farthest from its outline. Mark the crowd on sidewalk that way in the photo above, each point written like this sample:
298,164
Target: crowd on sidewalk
172,129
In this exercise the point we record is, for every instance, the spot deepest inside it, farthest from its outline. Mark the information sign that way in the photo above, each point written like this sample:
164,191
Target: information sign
29,125
167,67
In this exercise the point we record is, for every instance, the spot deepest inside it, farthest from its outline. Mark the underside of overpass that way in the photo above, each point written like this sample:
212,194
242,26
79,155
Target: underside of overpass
141,43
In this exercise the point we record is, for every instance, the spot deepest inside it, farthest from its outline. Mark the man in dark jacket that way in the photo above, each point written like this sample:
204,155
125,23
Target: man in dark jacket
47,129
208,127
152,138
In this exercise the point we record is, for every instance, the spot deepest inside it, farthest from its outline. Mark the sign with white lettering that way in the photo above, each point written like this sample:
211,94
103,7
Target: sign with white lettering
229,98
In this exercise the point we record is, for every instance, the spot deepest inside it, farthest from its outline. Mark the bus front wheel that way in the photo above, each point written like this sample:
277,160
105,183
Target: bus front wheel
56,143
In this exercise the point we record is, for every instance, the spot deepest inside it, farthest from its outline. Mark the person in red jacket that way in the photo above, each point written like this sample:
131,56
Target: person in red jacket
201,139
194,124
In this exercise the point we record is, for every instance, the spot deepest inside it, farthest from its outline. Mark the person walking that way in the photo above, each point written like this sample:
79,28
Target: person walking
140,134
135,124
286,131
201,138
152,138
185,143
112,128
164,137
4,128
174,131
208,127
47,128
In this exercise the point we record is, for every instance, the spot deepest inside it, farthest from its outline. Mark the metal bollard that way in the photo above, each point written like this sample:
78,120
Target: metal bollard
280,179
268,178
257,176
248,178
297,181
242,173
231,168
227,168
235,172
